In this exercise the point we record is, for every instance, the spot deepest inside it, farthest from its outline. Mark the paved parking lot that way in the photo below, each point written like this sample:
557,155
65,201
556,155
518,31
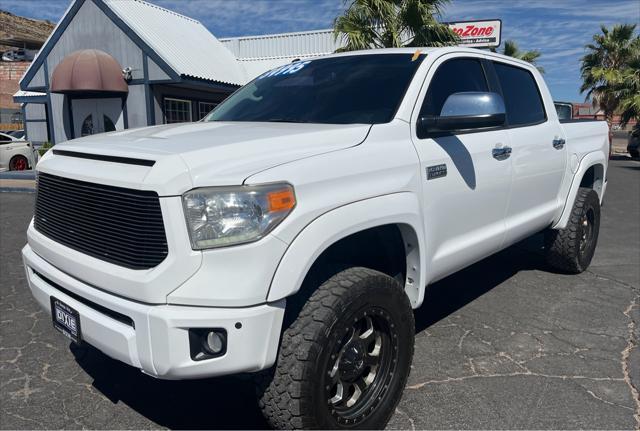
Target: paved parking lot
503,344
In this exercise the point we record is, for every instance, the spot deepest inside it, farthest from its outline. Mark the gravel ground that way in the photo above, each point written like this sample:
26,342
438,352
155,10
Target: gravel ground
503,344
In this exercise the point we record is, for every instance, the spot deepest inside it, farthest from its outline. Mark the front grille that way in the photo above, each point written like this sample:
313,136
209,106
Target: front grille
114,224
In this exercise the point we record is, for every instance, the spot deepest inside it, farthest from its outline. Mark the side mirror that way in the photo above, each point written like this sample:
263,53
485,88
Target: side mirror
466,110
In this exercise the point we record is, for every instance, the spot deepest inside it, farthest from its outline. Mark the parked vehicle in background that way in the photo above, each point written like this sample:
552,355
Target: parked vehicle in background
8,137
292,232
15,154
564,110
633,145
18,54
18,134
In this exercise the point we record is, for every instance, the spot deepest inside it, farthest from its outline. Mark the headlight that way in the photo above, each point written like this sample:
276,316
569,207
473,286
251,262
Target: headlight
220,216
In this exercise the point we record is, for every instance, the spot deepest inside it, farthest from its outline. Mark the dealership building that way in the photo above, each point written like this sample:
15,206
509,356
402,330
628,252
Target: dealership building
118,64
113,65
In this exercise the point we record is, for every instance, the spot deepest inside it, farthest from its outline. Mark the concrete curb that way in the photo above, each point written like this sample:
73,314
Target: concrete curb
16,190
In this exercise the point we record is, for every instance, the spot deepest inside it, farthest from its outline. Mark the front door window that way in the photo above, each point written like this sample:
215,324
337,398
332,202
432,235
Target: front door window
87,126
108,124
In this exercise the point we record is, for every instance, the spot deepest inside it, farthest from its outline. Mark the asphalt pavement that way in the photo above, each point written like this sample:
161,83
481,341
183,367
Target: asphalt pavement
506,343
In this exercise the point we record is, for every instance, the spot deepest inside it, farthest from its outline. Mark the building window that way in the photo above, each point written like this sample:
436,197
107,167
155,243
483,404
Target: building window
177,110
108,124
204,108
87,126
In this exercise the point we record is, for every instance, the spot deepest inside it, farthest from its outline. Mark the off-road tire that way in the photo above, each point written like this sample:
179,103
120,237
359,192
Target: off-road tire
293,393
563,247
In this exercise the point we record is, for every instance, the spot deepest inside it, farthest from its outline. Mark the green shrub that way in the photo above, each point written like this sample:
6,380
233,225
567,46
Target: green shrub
44,148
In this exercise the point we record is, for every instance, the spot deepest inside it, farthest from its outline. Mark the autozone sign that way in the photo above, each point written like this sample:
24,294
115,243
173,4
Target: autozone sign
478,34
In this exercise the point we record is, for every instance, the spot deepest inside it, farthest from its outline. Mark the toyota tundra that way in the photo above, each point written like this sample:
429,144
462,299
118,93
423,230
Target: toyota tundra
291,232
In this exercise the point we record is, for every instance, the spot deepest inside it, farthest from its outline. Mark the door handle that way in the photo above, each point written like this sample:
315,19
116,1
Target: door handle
501,153
558,143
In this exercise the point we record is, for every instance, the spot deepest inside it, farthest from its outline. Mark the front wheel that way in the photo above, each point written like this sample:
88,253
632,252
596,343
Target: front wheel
344,362
571,249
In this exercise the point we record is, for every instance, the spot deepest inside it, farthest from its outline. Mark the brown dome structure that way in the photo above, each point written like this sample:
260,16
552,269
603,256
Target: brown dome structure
88,71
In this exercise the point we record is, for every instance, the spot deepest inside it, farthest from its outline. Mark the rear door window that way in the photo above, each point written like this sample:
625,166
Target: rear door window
521,95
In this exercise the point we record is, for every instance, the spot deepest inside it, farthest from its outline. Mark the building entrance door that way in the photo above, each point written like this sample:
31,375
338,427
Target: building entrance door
91,116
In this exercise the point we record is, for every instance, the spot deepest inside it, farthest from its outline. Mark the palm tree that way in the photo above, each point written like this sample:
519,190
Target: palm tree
604,64
392,23
511,49
628,90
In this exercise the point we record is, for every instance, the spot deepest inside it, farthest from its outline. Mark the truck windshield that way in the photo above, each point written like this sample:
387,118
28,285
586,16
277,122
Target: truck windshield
341,90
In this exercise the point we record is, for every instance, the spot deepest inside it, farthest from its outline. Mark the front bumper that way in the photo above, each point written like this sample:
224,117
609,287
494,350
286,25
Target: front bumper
156,339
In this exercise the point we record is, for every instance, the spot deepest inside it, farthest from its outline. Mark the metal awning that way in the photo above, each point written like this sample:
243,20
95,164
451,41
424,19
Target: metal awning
88,71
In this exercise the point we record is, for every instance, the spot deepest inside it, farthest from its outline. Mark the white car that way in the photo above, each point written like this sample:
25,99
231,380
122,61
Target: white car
291,233
15,154
18,54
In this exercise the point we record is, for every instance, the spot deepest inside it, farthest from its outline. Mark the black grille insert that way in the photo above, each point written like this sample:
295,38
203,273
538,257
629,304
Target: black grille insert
114,224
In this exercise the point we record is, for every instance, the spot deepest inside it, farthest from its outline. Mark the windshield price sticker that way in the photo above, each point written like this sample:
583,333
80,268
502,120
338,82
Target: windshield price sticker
288,69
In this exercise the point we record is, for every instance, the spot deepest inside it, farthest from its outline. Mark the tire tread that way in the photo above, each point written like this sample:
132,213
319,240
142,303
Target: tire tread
282,390
562,245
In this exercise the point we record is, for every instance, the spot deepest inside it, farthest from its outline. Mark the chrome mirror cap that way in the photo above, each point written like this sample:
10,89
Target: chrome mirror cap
473,103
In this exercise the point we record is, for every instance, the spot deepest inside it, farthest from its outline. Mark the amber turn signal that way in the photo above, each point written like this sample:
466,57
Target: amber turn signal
281,200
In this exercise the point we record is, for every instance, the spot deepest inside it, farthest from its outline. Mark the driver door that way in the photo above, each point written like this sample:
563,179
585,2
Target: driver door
465,186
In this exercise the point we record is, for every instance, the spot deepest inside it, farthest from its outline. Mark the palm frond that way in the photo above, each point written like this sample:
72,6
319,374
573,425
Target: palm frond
392,23
511,49
609,71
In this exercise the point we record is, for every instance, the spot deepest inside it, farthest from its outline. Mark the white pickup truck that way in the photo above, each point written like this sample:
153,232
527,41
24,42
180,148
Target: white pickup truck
292,231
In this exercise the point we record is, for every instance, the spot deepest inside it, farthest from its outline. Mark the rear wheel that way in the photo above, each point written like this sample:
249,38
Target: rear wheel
18,163
344,361
571,249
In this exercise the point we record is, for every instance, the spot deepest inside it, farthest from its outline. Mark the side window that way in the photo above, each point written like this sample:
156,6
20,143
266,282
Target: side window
521,96
453,76
176,110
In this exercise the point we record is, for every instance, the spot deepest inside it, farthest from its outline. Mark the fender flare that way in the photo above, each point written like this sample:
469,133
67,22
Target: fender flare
589,160
402,209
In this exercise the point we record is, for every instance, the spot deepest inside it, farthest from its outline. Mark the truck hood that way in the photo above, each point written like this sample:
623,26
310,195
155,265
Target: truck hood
188,155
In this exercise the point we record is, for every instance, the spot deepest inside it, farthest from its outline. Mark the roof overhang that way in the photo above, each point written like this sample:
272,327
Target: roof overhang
21,96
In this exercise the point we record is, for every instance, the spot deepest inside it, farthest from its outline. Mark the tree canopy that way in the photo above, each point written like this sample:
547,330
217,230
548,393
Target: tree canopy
610,71
370,24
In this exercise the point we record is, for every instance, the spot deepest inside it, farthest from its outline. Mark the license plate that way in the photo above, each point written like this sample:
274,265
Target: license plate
66,320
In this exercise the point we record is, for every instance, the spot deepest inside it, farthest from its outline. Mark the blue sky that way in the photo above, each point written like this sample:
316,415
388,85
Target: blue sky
558,28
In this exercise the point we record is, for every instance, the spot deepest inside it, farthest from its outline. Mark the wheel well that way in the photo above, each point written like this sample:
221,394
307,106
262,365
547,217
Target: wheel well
385,248
593,178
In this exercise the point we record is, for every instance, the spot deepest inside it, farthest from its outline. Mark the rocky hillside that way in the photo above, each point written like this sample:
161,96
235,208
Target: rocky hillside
17,26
